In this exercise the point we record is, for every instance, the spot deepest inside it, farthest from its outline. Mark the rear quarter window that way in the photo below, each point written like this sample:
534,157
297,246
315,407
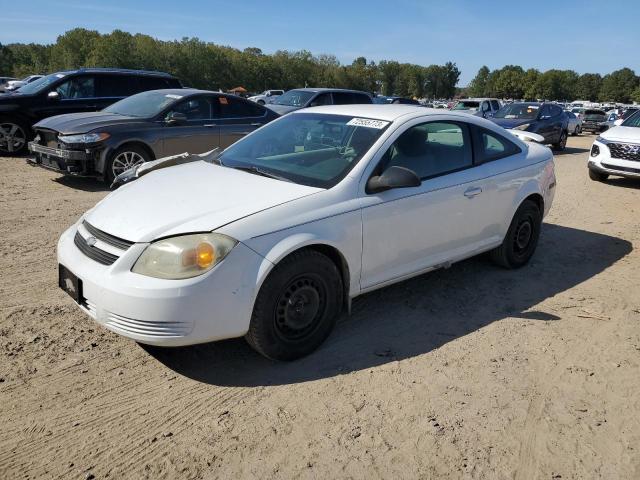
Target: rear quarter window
490,146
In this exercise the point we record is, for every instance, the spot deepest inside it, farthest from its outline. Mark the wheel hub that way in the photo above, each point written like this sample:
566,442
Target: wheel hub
124,161
299,308
523,235
12,137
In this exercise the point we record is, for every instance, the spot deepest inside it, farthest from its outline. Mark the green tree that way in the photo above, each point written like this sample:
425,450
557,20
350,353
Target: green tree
478,86
588,86
618,85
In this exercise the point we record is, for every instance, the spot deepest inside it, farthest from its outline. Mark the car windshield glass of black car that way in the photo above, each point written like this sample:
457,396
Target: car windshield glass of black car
633,120
466,105
310,149
518,111
40,84
145,104
294,98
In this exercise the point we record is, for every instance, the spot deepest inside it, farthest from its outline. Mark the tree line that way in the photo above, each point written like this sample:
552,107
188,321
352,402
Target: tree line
512,81
207,65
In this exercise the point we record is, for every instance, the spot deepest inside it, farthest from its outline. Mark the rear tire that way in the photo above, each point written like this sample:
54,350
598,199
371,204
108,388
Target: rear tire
521,240
597,176
297,306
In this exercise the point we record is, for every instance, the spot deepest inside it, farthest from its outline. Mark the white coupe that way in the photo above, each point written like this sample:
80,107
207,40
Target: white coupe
274,237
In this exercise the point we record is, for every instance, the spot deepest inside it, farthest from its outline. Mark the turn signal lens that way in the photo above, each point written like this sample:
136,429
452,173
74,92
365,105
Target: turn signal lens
205,255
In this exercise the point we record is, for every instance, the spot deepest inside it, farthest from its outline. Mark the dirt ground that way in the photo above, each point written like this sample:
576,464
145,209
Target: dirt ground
471,372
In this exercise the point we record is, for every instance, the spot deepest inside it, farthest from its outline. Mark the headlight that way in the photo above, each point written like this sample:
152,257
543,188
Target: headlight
522,127
183,257
84,138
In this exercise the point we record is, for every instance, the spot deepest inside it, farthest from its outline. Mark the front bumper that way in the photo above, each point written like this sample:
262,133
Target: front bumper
67,161
604,163
213,306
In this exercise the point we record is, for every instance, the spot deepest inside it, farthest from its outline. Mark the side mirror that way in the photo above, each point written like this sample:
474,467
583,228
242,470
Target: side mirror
53,96
176,118
618,122
393,177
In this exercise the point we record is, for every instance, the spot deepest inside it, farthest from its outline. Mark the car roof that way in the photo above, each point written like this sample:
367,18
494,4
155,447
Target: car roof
326,89
117,70
188,92
389,112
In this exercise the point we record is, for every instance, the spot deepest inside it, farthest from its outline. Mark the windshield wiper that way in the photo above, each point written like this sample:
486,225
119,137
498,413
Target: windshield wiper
259,171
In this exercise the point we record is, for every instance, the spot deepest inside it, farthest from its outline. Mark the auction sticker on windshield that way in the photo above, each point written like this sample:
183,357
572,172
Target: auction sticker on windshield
367,122
174,96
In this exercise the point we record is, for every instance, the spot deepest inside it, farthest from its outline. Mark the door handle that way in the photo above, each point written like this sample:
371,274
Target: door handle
209,125
472,192
256,124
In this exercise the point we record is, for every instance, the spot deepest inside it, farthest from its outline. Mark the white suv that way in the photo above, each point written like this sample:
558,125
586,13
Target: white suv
617,151
268,96
480,107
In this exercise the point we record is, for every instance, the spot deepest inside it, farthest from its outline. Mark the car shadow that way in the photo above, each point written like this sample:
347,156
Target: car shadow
416,316
82,183
570,150
633,183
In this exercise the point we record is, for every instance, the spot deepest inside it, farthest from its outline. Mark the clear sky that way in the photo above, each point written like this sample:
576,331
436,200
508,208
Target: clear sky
584,35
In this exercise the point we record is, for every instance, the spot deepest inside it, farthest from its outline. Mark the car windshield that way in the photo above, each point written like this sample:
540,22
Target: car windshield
145,104
40,84
518,111
466,105
308,148
633,120
294,98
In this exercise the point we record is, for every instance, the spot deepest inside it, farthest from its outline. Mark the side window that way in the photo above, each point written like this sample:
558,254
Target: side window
545,112
232,107
195,108
153,83
77,87
492,146
342,98
322,99
495,105
115,86
431,149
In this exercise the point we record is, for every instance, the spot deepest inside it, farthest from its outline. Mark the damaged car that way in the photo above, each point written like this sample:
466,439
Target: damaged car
141,128
273,237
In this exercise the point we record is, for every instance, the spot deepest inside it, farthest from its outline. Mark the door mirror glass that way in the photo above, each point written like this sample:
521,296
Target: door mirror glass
53,96
176,118
393,177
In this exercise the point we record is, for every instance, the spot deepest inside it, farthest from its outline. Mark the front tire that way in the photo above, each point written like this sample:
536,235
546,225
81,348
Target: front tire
14,136
297,306
521,239
597,176
562,143
123,159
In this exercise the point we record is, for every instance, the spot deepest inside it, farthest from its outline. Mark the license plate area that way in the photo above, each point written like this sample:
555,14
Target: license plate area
71,284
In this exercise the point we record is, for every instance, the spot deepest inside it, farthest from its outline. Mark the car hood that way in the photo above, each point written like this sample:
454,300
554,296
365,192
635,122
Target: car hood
71,123
511,122
196,197
630,134
282,109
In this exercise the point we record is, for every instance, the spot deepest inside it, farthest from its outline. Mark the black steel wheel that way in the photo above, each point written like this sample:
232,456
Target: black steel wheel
296,307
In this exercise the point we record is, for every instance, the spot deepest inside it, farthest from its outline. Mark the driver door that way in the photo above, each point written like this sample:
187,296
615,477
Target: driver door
198,134
408,230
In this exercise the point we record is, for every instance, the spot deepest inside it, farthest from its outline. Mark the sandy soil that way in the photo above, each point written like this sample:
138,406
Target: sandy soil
472,372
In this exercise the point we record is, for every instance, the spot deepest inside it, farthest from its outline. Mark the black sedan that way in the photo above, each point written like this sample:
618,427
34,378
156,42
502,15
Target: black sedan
144,127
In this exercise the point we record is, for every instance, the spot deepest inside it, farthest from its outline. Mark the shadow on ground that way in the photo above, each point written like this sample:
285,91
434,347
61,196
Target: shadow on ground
570,150
82,183
633,183
415,316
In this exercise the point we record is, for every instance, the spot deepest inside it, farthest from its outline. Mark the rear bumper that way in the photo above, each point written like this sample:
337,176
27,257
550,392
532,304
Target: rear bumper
70,162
